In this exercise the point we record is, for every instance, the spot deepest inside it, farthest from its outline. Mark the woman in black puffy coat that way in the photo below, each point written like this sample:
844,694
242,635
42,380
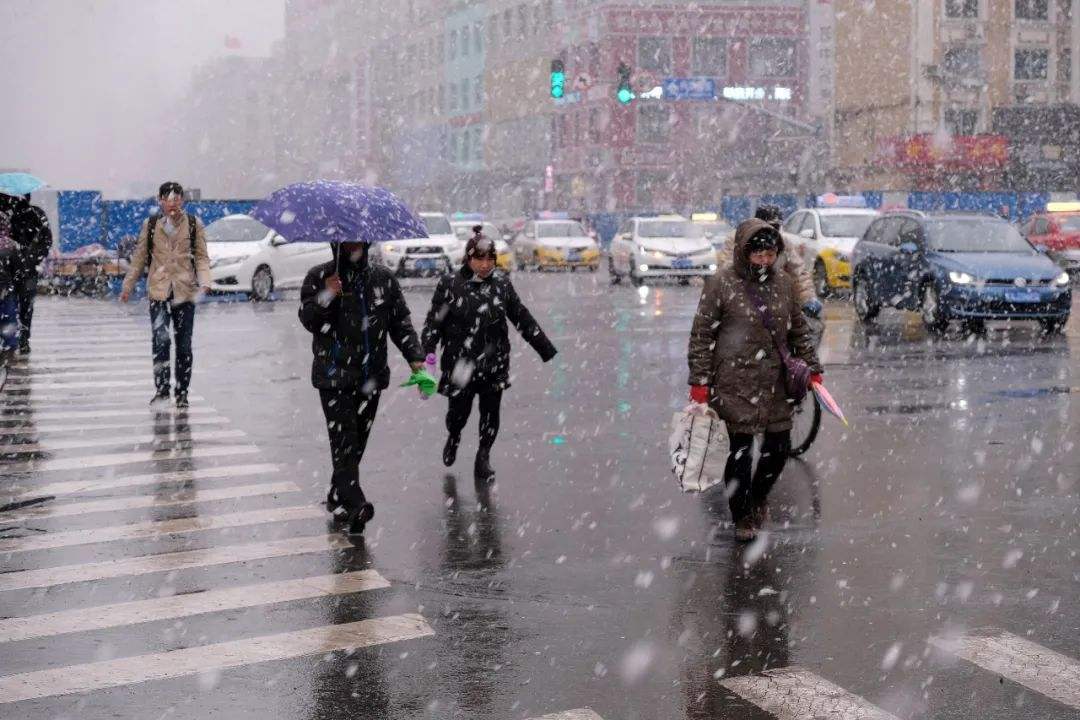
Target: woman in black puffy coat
468,317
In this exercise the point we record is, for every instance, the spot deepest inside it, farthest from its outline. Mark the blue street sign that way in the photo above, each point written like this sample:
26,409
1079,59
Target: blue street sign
700,88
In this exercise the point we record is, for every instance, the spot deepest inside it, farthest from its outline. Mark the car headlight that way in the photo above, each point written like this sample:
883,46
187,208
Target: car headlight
960,278
390,249
1062,279
226,261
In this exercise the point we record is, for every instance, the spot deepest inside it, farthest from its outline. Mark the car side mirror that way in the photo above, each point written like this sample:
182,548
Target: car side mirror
278,241
909,248
507,237
807,233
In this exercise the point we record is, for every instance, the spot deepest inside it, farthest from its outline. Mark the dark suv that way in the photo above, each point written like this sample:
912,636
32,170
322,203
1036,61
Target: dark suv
956,267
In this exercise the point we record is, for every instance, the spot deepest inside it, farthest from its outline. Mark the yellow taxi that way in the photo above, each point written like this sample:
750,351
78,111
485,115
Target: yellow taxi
826,236
555,242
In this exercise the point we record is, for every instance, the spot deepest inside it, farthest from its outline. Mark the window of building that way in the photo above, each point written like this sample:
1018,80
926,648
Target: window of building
465,41
453,44
654,123
478,91
493,30
466,151
478,37
650,186
523,21
453,96
478,145
538,22
654,53
1064,68
961,121
508,23
549,11
453,147
1031,64
962,62
772,58
1032,9
465,94
709,57
962,8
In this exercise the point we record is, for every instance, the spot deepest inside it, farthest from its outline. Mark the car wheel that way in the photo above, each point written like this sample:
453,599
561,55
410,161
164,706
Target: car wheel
592,268
635,279
262,284
975,327
933,317
821,280
865,308
613,274
1053,326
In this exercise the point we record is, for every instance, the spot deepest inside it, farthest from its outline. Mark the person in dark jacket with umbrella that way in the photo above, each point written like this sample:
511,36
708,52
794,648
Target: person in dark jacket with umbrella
350,308
468,318
34,237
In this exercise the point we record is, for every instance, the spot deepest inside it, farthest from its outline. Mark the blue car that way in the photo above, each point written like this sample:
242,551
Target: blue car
963,267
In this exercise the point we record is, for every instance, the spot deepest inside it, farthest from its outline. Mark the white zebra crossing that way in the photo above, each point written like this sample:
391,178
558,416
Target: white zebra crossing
167,562
798,694
55,446
131,458
119,412
85,430
179,606
579,714
74,487
42,403
1021,661
139,502
160,528
209,658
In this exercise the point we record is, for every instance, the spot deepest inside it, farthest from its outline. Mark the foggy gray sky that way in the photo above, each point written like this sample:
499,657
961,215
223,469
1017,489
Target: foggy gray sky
87,83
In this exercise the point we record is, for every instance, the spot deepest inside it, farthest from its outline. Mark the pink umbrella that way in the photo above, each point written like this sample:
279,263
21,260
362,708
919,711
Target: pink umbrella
827,402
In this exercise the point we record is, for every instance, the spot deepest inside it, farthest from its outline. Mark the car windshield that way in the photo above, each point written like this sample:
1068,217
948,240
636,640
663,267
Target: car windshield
236,230
845,225
710,231
975,236
559,230
437,225
664,229
1070,224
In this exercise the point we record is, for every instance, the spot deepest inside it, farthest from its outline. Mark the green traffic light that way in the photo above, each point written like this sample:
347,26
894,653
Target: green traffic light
558,84
625,95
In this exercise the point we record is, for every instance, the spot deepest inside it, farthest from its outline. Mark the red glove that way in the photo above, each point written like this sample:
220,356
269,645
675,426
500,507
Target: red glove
816,378
699,394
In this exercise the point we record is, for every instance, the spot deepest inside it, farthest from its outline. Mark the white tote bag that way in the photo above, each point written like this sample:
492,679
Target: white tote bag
699,448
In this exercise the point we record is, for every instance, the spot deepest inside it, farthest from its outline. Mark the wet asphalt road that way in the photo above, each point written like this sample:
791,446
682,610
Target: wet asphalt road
922,563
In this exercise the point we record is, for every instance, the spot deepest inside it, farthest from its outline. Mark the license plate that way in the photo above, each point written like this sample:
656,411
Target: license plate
573,256
681,263
1023,296
426,264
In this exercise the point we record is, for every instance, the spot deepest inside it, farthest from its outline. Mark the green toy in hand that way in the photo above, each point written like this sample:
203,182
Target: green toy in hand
427,384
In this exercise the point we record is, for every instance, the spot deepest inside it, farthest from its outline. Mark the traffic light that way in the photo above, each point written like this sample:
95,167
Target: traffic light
625,93
558,79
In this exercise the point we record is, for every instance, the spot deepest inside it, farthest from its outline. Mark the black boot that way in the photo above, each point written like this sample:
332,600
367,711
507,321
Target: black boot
161,398
359,517
334,505
449,452
182,401
483,470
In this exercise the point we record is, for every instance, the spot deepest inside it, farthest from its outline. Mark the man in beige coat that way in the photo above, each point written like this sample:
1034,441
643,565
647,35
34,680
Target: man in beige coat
173,245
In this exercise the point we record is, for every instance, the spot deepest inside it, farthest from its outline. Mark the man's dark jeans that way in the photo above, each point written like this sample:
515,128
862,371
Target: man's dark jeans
181,316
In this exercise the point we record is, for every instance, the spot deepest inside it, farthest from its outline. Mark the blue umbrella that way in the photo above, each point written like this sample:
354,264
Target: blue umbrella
336,212
19,183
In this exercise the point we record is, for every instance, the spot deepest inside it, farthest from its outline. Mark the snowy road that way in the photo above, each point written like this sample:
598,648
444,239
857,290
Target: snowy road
923,563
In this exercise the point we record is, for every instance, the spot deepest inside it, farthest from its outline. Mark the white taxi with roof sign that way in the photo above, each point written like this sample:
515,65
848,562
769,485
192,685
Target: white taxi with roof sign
826,236
659,247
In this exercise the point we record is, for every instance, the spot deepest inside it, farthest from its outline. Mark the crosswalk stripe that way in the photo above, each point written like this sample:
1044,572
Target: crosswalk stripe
82,429
796,694
74,487
1020,661
20,379
179,606
159,528
118,441
113,459
80,384
137,502
208,658
167,562
122,361
579,714
37,398
119,412
68,357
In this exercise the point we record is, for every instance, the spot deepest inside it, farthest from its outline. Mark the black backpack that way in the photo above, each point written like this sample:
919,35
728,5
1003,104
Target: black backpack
152,224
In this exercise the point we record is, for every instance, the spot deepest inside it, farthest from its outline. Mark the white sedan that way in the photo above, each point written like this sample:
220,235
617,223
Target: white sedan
439,253
246,256
655,247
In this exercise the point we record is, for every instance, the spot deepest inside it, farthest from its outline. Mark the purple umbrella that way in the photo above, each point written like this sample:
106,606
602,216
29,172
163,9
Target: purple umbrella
327,211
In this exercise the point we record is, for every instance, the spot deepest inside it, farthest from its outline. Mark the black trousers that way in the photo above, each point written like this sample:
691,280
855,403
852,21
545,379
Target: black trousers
349,416
26,287
181,316
750,489
461,407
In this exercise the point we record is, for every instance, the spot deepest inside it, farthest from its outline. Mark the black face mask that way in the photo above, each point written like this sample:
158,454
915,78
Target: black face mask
760,272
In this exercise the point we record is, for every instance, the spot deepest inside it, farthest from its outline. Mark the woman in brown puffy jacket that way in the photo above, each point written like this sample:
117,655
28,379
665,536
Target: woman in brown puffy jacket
736,367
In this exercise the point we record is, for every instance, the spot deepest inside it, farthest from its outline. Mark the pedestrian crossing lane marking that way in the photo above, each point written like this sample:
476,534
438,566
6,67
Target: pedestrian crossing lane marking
141,502
167,562
125,412
797,694
73,487
580,714
119,441
83,430
46,405
209,658
159,528
113,459
181,606
18,377
1021,661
